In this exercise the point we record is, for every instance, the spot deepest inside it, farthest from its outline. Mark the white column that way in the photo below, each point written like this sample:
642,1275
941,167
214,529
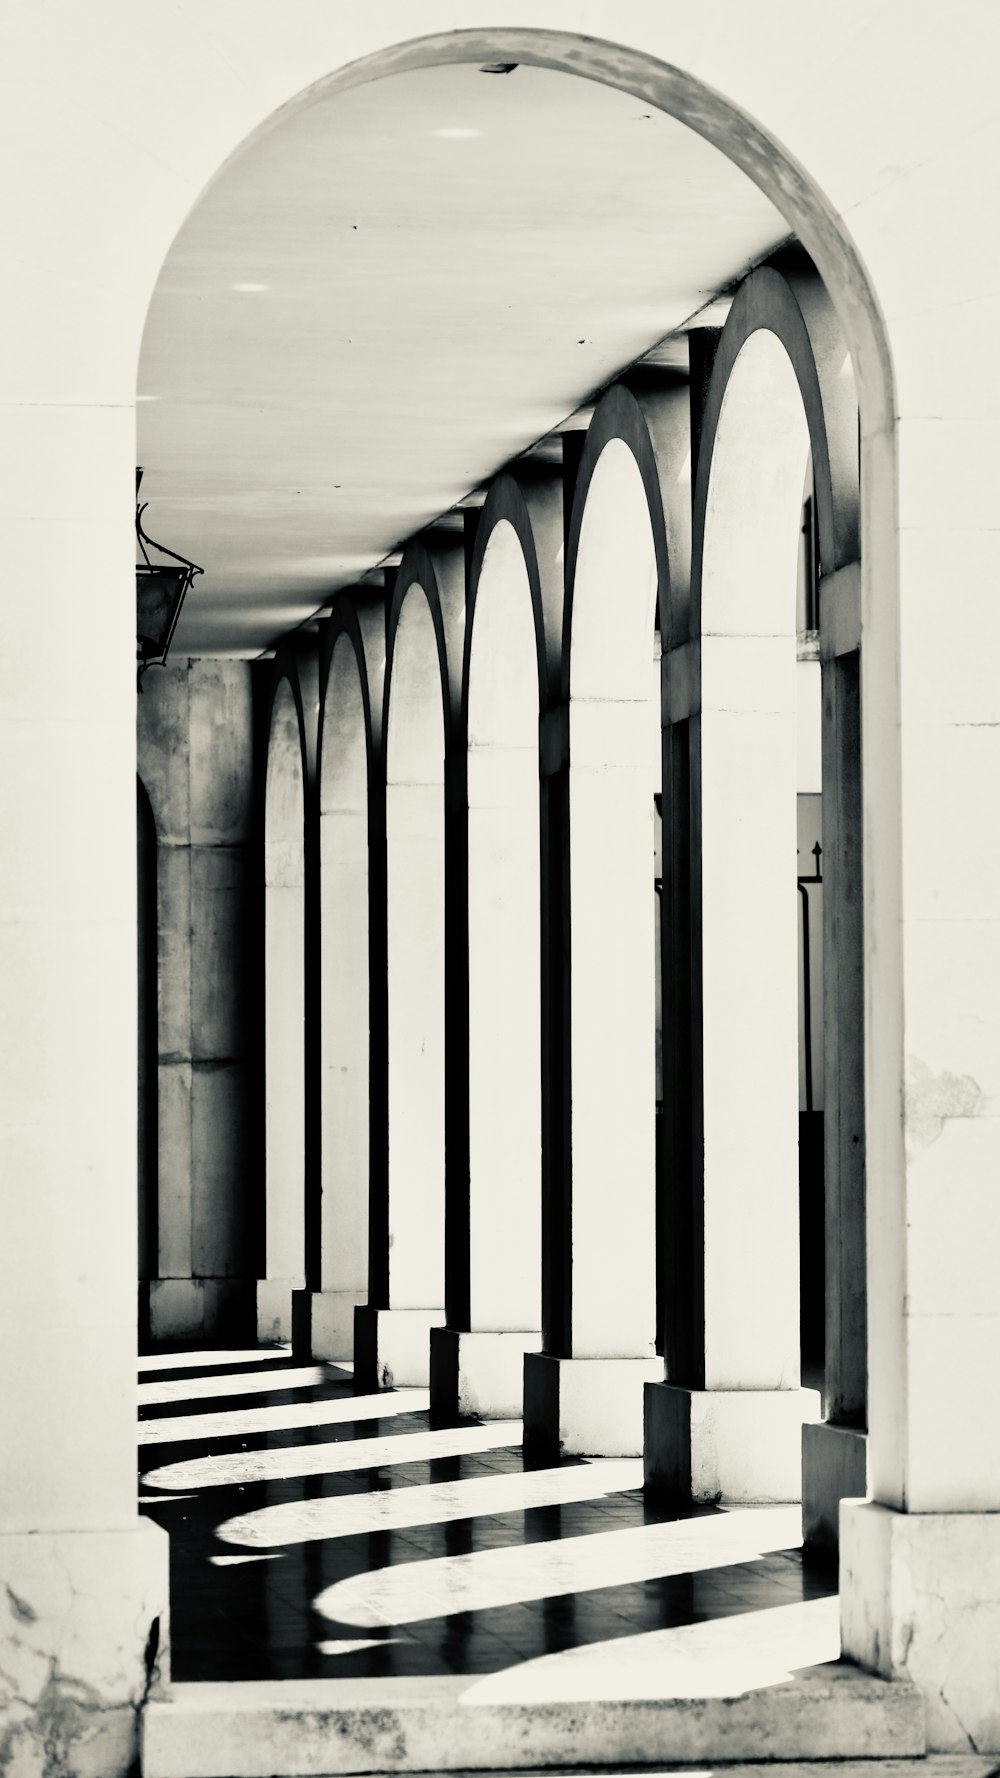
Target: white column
83,1583
920,1562
284,1012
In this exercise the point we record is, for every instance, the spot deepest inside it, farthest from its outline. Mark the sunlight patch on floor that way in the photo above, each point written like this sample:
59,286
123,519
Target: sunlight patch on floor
237,1561
484,1579
436,1503
183,1361
721,1658
281,1417
239,1468
247,1383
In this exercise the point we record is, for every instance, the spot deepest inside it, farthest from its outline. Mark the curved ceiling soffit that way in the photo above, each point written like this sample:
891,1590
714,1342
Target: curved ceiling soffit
737,135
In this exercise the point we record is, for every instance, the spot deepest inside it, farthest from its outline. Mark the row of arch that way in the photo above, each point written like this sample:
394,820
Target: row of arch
458,854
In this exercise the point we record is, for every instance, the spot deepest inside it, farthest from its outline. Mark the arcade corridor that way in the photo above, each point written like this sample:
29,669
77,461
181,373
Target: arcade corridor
319,1534
504,1027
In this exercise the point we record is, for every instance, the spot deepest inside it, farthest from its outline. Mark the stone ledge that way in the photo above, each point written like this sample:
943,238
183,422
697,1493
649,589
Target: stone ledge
322,1728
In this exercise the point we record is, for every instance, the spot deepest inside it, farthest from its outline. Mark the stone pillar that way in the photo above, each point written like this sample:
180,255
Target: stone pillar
583,1394
834,1451
920,1561
83,1582
195,756
284,1017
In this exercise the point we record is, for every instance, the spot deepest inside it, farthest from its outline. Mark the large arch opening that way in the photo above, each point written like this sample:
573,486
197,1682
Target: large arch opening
344,1001
587,856
504,1085
749,988
410,1272
730,1422
501,712
614,775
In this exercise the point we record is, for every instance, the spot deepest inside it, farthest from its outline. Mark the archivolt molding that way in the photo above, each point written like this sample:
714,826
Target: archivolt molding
364,630
620,416
819,360
506,504
300,671
440,576
290,770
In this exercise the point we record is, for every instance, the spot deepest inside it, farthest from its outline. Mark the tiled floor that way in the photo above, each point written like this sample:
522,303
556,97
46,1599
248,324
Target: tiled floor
315,1534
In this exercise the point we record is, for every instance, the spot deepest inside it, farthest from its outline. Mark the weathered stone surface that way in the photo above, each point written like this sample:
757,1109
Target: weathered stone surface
303,1729
83,1643
920,1600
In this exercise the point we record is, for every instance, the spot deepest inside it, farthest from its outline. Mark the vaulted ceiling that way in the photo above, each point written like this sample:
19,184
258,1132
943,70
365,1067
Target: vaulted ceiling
393,293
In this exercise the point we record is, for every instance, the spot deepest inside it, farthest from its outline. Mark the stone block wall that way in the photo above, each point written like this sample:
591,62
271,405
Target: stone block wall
196,761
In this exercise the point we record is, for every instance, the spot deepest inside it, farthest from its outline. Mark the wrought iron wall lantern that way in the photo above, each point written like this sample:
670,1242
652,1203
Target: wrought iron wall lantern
160,591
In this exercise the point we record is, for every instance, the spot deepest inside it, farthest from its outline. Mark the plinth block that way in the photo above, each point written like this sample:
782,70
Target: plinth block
191,1309
834,1468
920,1601
742,1446
478,1375
323,1323
584,1407
83,1641
274,1310
392,1348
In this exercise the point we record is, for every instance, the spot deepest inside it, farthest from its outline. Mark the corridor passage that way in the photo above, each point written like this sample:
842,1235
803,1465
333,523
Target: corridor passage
319,1534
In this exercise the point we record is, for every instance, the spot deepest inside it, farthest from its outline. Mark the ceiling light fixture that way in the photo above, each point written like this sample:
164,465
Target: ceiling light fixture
249,287
160,589
457,134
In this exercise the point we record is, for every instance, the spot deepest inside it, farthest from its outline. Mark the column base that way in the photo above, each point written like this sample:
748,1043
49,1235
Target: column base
392,1348
584,1407
741,1446
834,1468
83,1643
274,1310
209,1309
478,1375
323,1323
920,1600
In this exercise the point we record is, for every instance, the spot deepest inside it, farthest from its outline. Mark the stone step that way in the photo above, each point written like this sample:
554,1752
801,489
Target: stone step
449,1723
